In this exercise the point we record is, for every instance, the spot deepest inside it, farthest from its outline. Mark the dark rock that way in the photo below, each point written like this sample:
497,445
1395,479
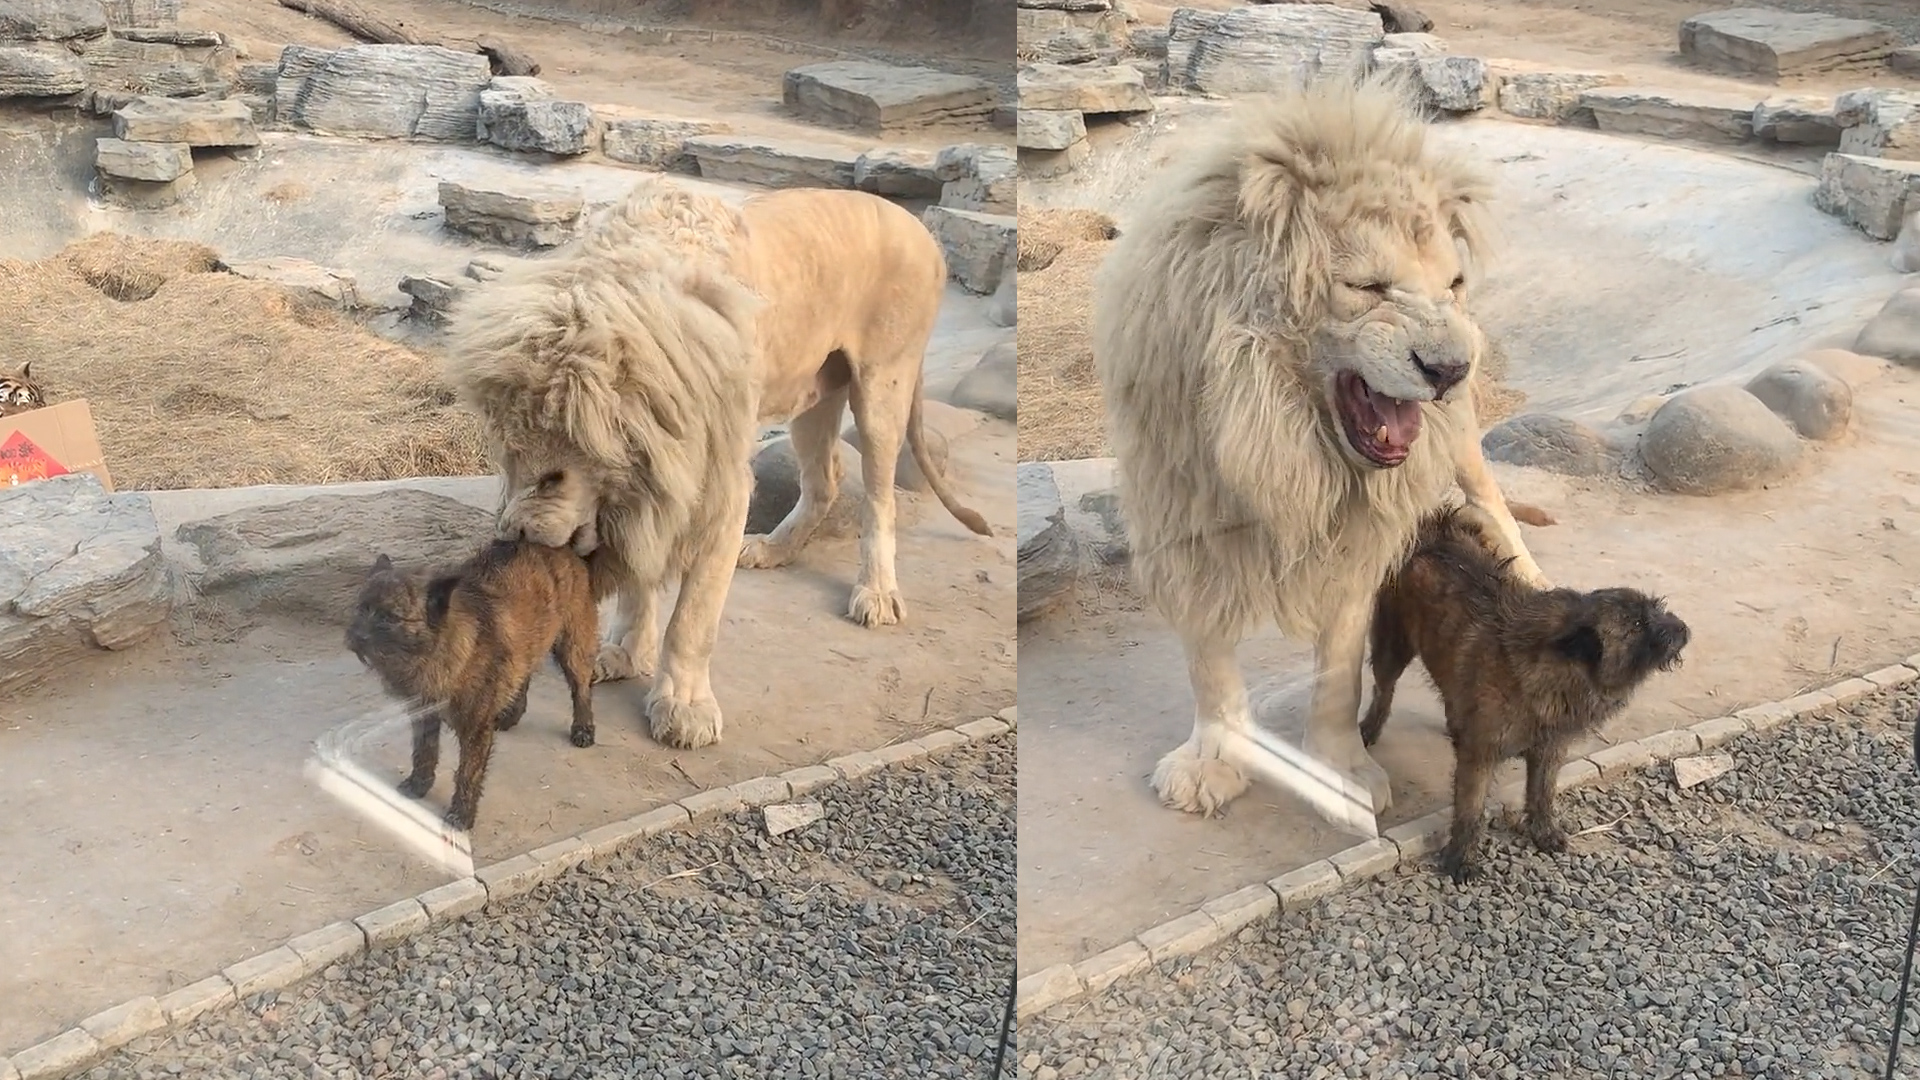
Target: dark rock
1049,554
991,386
1717,439
1553,443
1894,332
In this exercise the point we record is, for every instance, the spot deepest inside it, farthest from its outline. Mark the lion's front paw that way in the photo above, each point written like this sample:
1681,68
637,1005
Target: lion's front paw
613,663
874,607
684,725
760,553
1197,785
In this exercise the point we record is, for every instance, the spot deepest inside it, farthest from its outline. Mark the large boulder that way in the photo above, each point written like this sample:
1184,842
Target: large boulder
521,114
1894,331
656,144
384,91
980,248
1554,443
51,20
1048,559
991,386
307,559
1255,49
1770,43
1815,401
776,488
879,97
37,71
1717,439
80,571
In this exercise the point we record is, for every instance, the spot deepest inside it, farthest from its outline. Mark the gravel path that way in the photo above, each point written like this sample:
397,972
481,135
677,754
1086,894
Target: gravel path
878,942
1749,927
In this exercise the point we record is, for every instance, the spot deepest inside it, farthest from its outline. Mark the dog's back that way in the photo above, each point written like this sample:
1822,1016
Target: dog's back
514,598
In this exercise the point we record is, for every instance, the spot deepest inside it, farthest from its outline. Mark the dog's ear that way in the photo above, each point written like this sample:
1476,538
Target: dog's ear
1580,643
382,564
26,369
440,596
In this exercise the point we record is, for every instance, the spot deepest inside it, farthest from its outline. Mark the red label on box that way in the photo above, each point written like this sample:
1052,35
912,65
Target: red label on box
21,461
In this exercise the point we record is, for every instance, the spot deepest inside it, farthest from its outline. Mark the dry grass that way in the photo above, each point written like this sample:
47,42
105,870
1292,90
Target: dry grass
199,379
1062,416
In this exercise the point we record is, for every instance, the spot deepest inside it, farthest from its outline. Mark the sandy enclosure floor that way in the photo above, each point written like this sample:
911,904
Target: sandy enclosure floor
1626,268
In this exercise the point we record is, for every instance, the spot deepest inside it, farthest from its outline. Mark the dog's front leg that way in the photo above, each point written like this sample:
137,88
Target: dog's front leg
681,707
1482,490
1197,775
1333,718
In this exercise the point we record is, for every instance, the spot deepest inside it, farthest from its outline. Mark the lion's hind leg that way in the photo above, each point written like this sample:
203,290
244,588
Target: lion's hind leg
882,401
813,433
1196,776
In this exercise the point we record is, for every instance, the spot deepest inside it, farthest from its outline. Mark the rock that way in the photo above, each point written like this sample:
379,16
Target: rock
1702,115
81,570
147,194
1894,331
158,69
980,178
531,217
881,97
34,71
1048,557
1868,192
1693,771
168,35
1067,5
1073,45
897,171
1803,120
484,268
1716,439
979,247
1005,309
657,144
1815,402
309,282
1253,50
1034,25
1401,18
1906,246
1455,84
51,20
192,123
297,64
776,163
1849,367
308,558
776,488
1049,164
432,297
1549,95
528,120
1554,443
1419,44
906,471
991,387
1772,44
1099,90
782,818
1184,29
1905,61
1047,129
1879,123
158,162
151,15
389,91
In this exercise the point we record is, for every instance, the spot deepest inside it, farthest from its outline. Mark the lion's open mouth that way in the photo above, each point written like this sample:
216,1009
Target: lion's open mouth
1381,428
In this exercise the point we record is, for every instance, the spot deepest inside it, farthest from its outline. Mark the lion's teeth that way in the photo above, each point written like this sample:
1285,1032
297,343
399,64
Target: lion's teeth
1380,435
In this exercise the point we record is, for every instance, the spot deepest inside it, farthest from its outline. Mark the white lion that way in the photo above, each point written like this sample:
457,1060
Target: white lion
1286,355
621,382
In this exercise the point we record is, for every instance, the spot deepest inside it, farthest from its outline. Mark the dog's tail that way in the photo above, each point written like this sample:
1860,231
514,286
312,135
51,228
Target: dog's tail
916,439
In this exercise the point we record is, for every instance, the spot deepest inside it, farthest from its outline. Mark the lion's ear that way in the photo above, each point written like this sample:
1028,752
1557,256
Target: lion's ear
1278,208
1463,194
581,398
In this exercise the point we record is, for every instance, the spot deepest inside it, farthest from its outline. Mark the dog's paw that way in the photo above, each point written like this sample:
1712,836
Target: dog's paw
458,818
876,607
1460,863
1548,838
416,786
581,737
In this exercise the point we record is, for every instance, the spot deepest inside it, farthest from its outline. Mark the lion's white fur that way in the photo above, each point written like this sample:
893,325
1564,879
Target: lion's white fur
1221,318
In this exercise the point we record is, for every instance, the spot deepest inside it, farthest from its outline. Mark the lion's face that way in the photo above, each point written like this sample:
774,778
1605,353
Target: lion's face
1398,335
552,499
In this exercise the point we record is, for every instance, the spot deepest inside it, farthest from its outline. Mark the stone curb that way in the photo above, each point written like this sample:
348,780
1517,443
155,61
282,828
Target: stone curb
80,1047
1225,917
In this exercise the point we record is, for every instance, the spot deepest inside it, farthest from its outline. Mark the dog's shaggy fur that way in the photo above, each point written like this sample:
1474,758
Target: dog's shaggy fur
1284,348
1522,672
620,384
463,645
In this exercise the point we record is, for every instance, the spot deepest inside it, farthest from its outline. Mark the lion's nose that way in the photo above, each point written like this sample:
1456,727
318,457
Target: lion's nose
1441,376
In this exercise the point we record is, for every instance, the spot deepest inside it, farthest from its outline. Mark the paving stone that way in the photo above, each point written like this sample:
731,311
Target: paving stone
1693,115
63,1055
449,901
809,778
1892,675
1620,758
1365,860
883,97
857,764
1301,888
402,919
1772,44
319,949
1672,743
275,969
125,1022
1102,970
195,1000
723,800
1045,989
1241,908
900,753
560,856
611,837
986,727
1719,731
188,123
1183,936
944,739
1765,717
1810,703
1088,90
1868,192
1848,691
1420,837
1576,773
774,163
761,790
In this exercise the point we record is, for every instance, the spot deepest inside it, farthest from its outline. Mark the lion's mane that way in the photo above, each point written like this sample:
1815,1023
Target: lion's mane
1240,505
628,354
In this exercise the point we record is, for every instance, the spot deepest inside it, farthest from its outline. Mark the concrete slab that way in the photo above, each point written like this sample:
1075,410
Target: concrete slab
880,97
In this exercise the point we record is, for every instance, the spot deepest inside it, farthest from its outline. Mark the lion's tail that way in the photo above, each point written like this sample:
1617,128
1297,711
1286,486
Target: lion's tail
966,515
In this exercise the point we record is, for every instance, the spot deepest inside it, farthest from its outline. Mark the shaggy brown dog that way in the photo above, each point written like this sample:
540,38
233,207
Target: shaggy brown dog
1521,671
463,644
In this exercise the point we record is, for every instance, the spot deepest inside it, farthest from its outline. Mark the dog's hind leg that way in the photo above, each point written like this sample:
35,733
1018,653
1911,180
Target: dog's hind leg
476,746
573,651
515,710
1333,717
426,753
1392,650
1198,776
814,433
1472,770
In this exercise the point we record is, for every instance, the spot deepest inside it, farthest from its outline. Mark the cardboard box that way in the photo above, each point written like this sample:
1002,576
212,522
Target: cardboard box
51,441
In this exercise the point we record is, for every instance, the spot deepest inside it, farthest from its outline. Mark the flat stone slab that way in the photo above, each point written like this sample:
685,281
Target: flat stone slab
191,123
1695,115
521,114
306,280
1801,119
1257,49
81,571
776,163
51,20
155,161
383,91
1097,90
1050,129
1879,123
882,97
527,217
1869,193
980,247
1548,95
656,144
1771,43
33,71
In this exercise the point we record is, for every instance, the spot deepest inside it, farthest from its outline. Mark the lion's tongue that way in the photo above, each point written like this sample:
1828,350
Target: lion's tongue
1391,423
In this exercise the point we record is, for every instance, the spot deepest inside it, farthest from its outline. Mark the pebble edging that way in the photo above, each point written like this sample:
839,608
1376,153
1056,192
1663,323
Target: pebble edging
1223,917
310,953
